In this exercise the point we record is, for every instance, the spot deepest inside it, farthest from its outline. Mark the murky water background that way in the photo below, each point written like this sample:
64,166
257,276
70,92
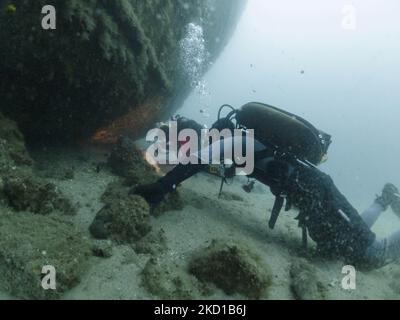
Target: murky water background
301,57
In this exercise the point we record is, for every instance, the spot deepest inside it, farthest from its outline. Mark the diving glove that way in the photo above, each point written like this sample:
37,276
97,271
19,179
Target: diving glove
153,193
390,197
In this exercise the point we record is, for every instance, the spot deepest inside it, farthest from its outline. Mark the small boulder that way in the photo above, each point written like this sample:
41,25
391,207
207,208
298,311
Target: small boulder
19,186
170,282
172,202
26,192
120,189
102,249
305,283
125,220
115,190
232,268
127,161
155,243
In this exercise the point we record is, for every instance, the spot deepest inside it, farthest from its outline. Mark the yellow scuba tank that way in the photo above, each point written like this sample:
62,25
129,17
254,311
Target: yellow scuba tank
284,131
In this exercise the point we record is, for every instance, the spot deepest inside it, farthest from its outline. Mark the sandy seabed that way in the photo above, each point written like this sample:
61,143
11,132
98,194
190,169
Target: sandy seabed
238,217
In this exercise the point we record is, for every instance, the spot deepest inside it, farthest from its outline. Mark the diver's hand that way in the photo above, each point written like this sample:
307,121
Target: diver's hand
153,193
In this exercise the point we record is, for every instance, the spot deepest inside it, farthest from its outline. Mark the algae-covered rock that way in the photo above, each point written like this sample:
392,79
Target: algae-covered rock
30,242
121,189
125,220
26,192
232,268
172,202
19,186
114,191
305,283
154,243
126,160
105,59
170,282
102,248
13,152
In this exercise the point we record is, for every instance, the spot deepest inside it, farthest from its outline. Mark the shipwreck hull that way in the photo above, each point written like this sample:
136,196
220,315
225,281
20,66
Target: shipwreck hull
106,60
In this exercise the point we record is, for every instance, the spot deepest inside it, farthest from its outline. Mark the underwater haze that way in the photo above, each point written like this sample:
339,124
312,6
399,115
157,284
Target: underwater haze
302,56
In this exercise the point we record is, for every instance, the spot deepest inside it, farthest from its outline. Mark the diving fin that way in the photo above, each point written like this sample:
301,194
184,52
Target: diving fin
390,197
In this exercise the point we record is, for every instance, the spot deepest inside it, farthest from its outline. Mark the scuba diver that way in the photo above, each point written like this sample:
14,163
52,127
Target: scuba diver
287,151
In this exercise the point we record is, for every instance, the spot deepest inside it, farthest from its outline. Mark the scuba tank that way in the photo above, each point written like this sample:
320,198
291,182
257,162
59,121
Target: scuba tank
285,132
291,137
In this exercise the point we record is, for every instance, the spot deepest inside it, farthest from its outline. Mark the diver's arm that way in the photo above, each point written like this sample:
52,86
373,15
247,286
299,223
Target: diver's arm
155,193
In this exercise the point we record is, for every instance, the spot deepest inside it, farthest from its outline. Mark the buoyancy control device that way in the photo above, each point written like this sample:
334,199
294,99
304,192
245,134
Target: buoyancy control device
285,132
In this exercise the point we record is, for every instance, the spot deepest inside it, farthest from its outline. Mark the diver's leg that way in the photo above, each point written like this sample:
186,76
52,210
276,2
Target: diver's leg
388,198
376,254
384,251
372,214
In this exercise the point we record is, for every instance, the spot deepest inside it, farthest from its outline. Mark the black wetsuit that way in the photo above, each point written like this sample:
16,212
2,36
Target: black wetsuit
331,221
